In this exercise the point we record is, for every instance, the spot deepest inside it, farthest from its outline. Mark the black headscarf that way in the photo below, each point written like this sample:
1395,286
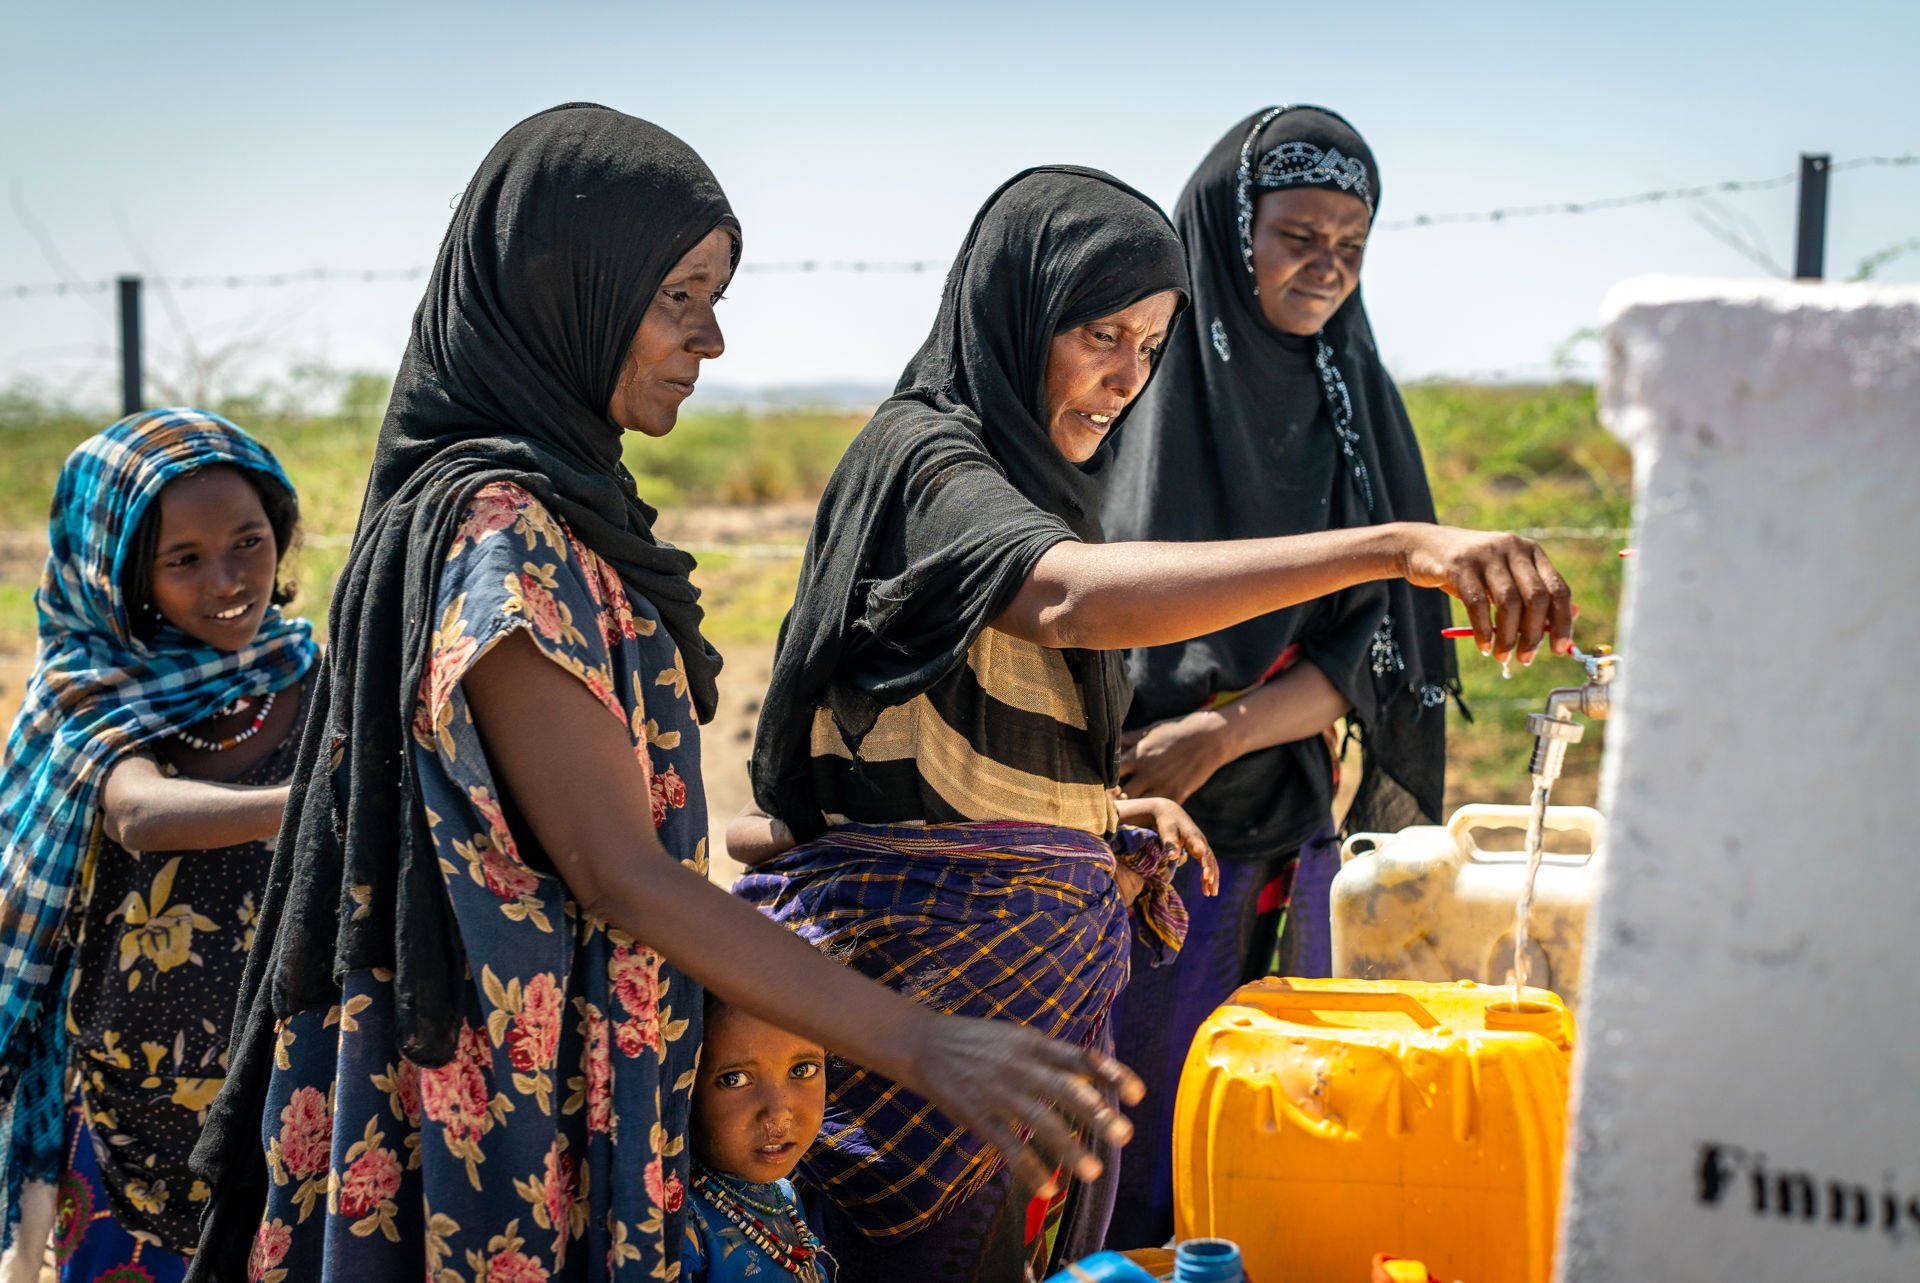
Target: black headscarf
914,550
558,246
1249,431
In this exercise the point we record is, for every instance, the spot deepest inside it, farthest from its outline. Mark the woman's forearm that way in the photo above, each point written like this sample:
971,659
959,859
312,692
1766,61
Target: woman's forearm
1298,703
1176,757
1116,596
754,837
144,810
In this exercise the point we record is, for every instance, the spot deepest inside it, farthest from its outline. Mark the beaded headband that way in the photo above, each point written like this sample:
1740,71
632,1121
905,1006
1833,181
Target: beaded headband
1291,164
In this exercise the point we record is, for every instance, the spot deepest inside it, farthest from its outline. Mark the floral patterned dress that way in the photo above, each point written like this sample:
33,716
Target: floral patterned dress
553,1144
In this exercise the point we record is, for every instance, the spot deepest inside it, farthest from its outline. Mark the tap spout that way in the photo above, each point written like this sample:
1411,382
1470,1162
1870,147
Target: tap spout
1554,729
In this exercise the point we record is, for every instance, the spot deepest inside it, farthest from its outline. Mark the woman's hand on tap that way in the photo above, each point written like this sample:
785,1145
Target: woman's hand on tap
1513,595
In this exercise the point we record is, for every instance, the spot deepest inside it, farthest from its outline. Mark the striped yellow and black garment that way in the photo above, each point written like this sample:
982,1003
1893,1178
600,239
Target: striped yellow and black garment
1002,737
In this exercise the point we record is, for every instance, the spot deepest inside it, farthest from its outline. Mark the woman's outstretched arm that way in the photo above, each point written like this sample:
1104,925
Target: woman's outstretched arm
1115,596
570,767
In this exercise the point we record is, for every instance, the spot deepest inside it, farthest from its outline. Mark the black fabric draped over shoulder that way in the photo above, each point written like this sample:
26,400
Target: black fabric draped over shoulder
1248,431
950,494
556,249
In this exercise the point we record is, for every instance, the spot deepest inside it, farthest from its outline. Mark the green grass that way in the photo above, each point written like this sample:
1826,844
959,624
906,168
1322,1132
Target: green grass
1510,457
746,597
736,457
1514,458
17,627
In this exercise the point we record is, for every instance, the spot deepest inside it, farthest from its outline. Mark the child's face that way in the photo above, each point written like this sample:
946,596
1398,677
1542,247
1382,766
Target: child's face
759,1099
215,560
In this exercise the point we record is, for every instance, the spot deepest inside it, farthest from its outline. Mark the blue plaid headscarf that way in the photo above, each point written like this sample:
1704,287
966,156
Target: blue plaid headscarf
98,692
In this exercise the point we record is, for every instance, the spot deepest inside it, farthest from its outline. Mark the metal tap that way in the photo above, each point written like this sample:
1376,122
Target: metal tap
1554,729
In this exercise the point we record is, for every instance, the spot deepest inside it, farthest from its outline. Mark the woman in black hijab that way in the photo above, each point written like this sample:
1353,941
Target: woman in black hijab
1272,415
467,1031
943,727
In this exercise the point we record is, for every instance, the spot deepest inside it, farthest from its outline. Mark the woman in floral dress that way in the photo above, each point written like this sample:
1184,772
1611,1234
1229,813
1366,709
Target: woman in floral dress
466,1043
530,1105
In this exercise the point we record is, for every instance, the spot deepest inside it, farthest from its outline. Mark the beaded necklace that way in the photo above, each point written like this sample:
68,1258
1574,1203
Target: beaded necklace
730,1197
238,737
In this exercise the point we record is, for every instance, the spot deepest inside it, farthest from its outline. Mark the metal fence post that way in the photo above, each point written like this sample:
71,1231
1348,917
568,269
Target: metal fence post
131,398
1810,251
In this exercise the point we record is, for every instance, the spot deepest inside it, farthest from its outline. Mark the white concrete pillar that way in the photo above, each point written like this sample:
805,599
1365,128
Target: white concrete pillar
1747,1090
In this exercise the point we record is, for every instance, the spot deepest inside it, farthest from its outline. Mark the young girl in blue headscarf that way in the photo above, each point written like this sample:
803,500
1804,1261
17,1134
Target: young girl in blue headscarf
143,781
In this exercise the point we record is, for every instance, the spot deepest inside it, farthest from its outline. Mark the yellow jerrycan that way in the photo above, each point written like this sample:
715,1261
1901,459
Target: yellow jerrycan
1435,902
1322,1122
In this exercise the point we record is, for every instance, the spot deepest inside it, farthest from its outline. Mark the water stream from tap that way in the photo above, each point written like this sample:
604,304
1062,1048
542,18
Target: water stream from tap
1523,911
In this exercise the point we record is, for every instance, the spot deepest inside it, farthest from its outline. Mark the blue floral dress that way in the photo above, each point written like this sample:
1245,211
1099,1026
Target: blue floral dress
553,1145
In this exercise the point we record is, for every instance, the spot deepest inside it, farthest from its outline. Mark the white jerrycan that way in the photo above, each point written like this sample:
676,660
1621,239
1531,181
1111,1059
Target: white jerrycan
1435,902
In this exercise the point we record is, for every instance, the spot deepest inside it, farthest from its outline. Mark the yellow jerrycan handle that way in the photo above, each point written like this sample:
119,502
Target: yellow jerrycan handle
1560,819
1279,997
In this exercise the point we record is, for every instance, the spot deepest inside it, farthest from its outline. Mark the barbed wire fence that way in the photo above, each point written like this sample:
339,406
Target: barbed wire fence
1501,214
1812,177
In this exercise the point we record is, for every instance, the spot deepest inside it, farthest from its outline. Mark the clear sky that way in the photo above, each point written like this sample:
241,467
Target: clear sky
199,138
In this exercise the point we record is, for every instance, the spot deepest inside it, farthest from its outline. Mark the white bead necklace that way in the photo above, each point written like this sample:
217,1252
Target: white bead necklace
238,737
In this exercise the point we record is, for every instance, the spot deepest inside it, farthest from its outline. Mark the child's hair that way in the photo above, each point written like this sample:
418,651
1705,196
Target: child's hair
282,507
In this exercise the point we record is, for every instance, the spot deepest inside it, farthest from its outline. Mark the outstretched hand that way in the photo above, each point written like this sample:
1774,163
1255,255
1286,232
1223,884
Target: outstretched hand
1001,1080
1513,595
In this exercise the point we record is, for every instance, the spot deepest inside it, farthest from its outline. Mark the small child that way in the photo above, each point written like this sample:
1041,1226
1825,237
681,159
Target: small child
757,1106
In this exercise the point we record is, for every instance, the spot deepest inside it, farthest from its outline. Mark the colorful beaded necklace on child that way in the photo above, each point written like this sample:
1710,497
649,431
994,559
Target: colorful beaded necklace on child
238,737
730,1198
